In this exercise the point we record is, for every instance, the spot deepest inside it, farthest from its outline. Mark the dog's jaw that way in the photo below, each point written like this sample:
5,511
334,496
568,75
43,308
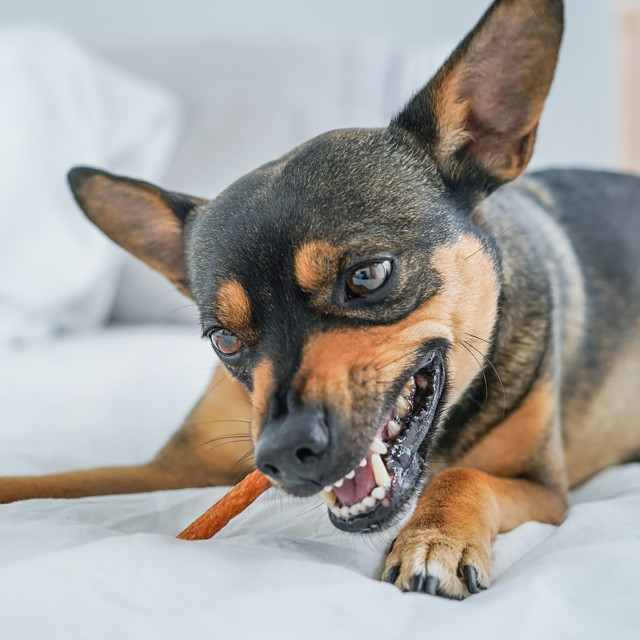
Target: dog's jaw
379,490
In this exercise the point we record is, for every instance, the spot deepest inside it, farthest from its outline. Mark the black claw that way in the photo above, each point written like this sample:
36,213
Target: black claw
417,583
471,578
392,574
431,585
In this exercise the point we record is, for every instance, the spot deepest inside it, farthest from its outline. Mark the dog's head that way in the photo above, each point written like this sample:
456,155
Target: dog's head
340,282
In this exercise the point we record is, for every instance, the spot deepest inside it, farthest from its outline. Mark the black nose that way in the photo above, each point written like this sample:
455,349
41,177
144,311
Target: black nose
294,449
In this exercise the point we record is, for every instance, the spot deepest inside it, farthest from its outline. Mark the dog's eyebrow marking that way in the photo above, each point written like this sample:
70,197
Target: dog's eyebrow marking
315,265
233,308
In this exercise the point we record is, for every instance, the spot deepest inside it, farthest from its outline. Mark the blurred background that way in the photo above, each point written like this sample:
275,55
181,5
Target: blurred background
195,93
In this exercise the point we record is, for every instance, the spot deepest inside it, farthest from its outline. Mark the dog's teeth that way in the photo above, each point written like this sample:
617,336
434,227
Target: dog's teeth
327,497
363,462
401,407
357,509
335,511
379,492
328,488
368,502
380,473
339,483
409,388
377,446
393,428
350,475
344,512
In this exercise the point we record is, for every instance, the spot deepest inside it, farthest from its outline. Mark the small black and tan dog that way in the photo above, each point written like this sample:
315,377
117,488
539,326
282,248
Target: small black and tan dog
410,340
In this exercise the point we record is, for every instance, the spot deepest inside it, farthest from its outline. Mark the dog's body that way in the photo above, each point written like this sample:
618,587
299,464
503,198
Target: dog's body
396,334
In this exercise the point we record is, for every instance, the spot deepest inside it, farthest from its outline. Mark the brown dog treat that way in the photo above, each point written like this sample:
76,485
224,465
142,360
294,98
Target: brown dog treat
227,508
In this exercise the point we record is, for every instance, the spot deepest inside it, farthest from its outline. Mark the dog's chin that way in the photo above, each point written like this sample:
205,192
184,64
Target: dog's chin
385,485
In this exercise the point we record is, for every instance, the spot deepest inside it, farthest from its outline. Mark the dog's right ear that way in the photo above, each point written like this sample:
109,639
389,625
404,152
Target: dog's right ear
142,218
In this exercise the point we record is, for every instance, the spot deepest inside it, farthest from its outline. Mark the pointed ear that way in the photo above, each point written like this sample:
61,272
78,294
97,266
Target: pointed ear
143,219
479,114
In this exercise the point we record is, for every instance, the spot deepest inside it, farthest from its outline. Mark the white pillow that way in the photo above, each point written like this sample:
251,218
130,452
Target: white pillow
62,107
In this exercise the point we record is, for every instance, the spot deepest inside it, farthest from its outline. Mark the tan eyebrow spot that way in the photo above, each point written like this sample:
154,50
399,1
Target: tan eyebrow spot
315,265
233,308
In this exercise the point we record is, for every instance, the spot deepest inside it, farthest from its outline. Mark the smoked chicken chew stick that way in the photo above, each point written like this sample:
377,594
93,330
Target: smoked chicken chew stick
227,508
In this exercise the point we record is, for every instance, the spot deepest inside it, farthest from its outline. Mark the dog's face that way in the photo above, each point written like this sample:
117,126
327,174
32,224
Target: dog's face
341,282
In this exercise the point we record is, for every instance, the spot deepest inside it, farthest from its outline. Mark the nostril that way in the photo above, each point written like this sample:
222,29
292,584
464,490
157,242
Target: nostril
270,470
304,454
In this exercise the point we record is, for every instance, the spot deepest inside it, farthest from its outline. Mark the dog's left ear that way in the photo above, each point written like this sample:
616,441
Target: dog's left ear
142,218
478,116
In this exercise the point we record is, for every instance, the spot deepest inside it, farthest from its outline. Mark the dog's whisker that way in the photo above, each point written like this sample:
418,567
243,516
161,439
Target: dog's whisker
466,346
497,346
198,424
504,395
166,315
204,454
484,245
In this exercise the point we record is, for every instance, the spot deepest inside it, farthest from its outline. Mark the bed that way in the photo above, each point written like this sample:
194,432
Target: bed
102,369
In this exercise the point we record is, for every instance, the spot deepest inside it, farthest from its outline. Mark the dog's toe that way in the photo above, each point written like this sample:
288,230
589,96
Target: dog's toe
426,561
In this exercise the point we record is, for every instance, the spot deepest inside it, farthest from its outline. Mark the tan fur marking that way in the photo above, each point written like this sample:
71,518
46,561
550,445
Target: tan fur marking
507,447
263,388
316,265
465,304
233,309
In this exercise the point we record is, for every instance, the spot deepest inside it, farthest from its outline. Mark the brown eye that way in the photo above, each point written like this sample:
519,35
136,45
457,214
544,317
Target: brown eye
368,277
225,342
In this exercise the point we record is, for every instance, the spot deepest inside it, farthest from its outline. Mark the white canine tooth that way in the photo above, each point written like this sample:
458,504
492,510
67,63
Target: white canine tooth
363,462
335,510
379,492
339,483
327,497
328,488
356,509
380,473
401,406
393,428
368,502
344,512
350,475
377,446
409,388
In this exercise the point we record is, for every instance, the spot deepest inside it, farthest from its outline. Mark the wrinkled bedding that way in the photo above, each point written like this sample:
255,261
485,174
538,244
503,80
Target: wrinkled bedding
110,567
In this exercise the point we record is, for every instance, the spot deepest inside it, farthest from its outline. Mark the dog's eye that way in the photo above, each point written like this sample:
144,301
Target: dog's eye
225,342
368,277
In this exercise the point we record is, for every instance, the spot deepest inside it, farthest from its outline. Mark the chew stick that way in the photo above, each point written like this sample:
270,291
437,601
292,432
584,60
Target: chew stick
227,508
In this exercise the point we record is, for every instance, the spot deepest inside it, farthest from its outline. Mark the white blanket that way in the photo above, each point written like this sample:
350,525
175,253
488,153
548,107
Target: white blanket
110,567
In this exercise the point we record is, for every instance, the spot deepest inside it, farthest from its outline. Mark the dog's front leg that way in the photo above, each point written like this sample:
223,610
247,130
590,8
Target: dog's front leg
445,548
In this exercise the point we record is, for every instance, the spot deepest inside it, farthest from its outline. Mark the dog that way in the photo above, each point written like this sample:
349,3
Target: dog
413,331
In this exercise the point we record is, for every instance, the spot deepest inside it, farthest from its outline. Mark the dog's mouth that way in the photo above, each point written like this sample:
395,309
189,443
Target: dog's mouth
372,495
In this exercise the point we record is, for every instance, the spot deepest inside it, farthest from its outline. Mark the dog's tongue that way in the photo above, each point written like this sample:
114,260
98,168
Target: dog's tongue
359,487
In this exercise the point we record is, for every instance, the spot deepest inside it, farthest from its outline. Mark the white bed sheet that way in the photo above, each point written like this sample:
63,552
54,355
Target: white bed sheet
110,567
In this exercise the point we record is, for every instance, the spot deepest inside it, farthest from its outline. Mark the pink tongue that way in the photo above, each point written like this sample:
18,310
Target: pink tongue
359,487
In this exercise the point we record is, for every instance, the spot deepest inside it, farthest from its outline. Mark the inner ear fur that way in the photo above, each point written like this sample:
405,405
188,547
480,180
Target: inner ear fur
142,218
478,116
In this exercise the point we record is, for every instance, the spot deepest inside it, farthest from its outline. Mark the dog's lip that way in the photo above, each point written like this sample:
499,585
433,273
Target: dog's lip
403,461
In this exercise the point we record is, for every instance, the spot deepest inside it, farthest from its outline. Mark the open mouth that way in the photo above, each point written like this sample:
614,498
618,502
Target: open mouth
369,497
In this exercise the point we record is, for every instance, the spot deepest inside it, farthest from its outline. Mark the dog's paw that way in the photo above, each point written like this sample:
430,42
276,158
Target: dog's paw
429,561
